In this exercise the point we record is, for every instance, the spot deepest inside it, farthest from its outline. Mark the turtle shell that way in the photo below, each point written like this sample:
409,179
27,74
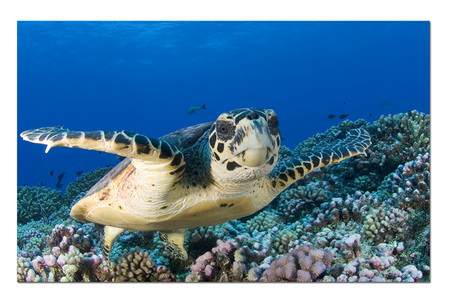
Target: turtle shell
186,137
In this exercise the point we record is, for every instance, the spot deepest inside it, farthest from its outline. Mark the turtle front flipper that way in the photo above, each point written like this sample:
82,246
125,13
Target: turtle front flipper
356,142
123,143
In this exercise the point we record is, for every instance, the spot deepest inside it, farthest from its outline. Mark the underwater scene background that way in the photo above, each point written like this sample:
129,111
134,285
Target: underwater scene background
365,219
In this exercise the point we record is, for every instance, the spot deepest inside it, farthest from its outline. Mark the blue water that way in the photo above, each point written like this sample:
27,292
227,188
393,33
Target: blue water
144,76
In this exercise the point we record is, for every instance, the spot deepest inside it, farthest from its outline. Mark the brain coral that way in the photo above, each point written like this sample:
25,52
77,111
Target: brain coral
34,203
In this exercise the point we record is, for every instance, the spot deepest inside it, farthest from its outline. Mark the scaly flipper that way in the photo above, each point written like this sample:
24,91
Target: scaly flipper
160,163
356,142
110,234
123,143
174,240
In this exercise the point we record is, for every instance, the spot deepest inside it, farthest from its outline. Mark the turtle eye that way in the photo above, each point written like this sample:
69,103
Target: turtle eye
273,125
225,130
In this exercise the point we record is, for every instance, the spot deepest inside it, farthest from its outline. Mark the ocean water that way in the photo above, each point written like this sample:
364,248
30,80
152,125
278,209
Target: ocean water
365,219
144,77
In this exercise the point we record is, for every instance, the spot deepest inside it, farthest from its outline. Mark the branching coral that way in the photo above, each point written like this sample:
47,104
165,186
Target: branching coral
263,221
344,214
227,262
297,201
62,261
304,264
398,139
284,240
379,267
35,203
201,239
339,210
385,223
138,266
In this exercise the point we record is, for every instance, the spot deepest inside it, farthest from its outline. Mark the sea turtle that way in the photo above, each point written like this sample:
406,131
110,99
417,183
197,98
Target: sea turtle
203,175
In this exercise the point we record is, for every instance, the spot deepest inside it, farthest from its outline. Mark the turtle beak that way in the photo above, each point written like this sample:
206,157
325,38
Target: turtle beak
253,143
252,157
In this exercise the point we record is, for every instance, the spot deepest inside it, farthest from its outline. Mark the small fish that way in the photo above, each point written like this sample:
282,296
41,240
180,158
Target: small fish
343,116
78,173
387,104
195,109
51,173
331,116
370,115
345,102
60,177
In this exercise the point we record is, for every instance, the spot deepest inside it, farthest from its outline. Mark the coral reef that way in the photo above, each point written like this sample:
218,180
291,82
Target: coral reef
138,266
226,262
380,267
263,221
36,203
304,264
366,219
298,200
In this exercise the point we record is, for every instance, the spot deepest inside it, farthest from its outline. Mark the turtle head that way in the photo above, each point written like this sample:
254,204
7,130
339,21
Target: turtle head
244,144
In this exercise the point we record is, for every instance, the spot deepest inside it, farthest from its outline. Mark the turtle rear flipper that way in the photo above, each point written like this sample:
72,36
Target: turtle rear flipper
174,240
110,234
123,143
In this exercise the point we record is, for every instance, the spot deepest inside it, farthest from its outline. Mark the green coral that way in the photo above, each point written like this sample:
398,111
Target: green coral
398,139
384,224
34,203
203,238
263,221
284,241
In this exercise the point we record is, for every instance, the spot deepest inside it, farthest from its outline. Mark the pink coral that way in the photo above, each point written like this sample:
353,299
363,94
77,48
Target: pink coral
294,265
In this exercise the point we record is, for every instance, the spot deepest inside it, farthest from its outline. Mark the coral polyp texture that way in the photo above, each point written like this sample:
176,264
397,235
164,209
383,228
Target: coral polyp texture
366,219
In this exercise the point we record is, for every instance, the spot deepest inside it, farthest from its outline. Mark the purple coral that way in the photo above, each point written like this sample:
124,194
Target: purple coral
295,265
